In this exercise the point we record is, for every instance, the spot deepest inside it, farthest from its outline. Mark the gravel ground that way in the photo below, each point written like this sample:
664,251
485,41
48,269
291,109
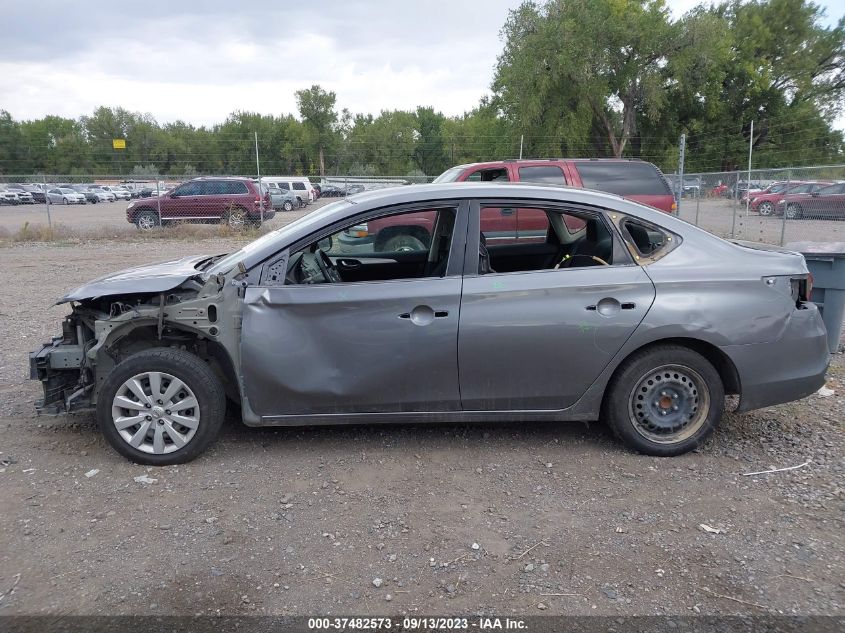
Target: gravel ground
510,518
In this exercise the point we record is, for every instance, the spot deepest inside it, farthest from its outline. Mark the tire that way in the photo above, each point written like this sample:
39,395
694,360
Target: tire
300,202
235,218
146,220
401,243
161,448
658,389
766,208
64,201
288,205
794,211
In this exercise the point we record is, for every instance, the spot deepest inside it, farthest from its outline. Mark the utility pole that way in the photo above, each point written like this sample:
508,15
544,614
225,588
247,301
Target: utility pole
521,138
683,151
258,171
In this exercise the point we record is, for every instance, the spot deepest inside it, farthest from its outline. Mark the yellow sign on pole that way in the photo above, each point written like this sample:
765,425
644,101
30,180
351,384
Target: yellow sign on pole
118,143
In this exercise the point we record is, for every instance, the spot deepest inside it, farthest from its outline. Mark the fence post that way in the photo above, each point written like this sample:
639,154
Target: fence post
158,200
46,200
734,204
697,200
785,192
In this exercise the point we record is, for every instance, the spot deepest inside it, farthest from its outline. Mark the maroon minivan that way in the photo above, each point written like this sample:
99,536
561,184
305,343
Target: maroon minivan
236,202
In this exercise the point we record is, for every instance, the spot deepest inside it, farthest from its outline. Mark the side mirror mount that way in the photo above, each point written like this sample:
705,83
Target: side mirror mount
326,244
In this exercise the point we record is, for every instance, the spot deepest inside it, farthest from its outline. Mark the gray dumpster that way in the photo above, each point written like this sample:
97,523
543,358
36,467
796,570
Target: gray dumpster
826,262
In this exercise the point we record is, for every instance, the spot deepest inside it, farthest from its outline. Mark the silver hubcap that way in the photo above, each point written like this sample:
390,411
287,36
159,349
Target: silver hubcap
669,404
766,208
146,222
155,413
236,219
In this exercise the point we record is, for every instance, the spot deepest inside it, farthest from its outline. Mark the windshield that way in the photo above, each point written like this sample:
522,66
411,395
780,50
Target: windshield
230,261
450,175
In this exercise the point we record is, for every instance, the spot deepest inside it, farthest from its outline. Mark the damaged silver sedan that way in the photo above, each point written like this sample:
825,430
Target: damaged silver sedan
443,303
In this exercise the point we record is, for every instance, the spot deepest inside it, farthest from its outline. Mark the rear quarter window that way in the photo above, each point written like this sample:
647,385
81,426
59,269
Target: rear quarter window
299,186
623,178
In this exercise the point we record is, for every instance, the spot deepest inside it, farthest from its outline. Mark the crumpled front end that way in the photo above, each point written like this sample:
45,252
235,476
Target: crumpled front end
63,369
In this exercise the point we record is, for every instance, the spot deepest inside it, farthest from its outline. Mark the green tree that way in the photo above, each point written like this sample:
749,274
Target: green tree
429,153
316,107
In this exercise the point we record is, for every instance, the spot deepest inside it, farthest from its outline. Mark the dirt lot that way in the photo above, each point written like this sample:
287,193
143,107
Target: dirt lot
510,519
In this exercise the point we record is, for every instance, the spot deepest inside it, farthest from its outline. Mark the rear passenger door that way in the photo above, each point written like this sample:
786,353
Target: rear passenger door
538,337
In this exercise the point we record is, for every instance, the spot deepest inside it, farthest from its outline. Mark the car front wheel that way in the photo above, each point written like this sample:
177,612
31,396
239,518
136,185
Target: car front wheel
664,401
766,208
161,406
64,201
288,205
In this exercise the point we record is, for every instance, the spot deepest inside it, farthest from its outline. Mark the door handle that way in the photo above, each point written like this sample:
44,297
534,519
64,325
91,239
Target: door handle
610,306
349,263
423,315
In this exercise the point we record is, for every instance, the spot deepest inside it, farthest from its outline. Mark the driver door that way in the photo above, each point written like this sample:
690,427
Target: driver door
387,344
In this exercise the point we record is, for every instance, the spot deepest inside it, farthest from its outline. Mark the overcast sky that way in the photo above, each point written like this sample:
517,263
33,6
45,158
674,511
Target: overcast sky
203,60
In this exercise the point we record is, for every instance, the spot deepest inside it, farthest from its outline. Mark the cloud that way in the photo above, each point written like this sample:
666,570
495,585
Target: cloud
199,65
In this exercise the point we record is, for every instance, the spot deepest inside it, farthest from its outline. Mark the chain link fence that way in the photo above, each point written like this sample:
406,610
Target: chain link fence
774,206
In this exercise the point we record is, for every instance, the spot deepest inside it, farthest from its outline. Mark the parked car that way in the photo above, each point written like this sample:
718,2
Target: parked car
282,200
332,191
110,195
36,191
300,186
146,192
119,194
9,196
592,322
633,179
24,196
720,191
64,195
826,203
91,196
233,201
765,203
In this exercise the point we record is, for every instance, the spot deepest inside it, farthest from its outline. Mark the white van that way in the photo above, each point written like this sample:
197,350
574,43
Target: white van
300,186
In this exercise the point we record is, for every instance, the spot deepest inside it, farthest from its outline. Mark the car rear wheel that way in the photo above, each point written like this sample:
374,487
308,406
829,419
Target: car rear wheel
161,406
288,205
794,211
664,401
235,218
146,220
766,208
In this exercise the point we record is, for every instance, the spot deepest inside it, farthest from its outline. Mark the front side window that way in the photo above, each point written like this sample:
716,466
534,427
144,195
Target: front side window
284,185
488,175
407,245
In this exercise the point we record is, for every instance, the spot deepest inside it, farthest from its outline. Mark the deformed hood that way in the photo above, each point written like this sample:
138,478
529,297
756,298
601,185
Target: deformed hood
159,277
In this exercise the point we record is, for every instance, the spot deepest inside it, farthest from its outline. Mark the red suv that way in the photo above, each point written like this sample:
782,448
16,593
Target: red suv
233,201
633,179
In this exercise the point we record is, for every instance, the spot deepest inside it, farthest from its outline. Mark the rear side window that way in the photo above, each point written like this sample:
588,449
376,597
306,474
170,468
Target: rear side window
547,174
284,185
235,187
647,239
299,186
623,178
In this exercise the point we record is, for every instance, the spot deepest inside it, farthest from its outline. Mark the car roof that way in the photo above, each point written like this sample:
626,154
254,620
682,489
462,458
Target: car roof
550,160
